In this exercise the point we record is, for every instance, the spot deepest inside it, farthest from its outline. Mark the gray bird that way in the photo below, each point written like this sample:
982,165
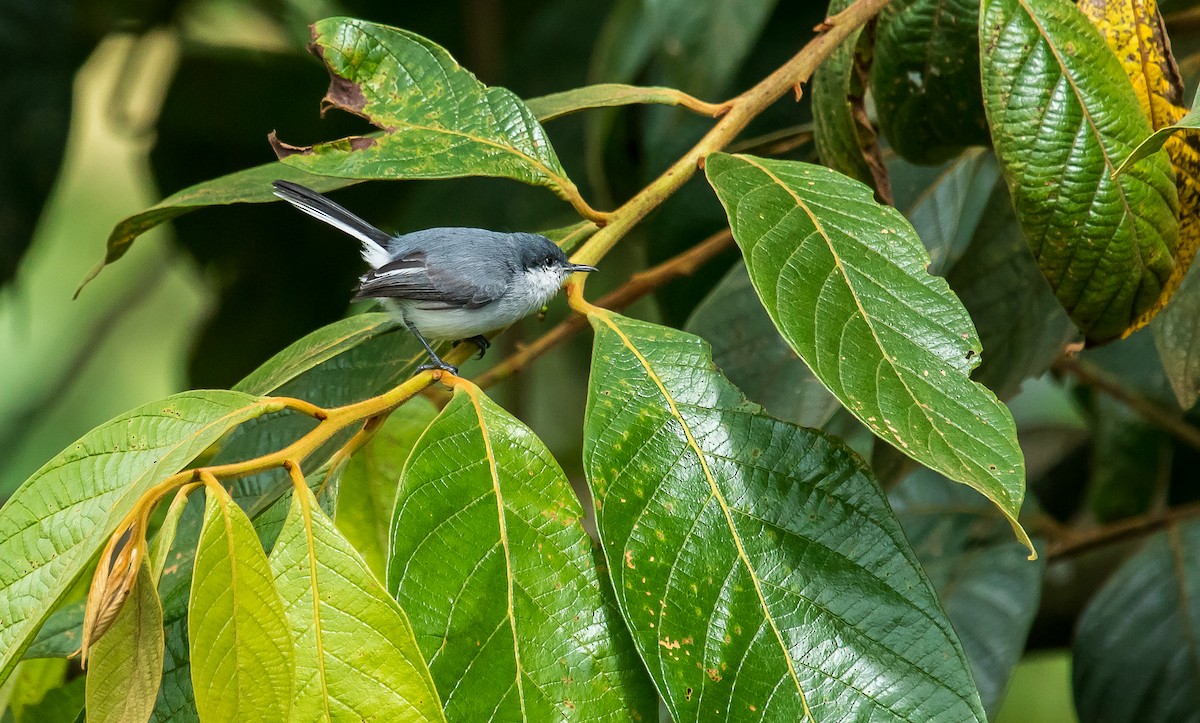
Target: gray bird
447,283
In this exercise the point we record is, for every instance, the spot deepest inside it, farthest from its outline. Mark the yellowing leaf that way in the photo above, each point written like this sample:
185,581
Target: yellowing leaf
1134,31
126,665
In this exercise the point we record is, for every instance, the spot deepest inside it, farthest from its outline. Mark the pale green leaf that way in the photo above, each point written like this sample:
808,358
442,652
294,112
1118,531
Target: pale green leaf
53,526
499,579
609,95
240,645
356,658
757,563
845,281
367,490
125,666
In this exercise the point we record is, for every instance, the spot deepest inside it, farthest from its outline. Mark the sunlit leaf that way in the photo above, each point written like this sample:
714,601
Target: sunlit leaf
438,120
240,645
609,95
845,282
1062,114
252,185
53,526
731,539
988,588
356,658
125,666
367,490
1133,659
499,579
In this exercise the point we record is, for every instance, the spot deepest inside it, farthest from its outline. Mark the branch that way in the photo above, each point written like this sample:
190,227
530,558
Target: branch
742,109
1170,421
639,285
1073,544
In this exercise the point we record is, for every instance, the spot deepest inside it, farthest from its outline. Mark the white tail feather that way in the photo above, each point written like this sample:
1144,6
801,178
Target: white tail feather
372,252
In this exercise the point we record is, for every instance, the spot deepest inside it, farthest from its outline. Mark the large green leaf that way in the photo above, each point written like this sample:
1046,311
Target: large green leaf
844,280
1062,114
240,645
53,526
1021,325
367,490
499,579
252,185
323,368
748,349
356,658
1135,656
757,563
925,78
125,666
988,588
61,635
438,120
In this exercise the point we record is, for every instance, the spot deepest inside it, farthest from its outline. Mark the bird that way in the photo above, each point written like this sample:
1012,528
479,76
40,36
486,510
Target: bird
451,283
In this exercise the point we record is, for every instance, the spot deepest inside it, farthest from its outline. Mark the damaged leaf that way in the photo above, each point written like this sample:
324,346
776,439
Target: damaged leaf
438,120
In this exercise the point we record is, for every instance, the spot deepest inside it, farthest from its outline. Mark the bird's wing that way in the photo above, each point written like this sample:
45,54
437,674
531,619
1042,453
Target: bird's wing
469,283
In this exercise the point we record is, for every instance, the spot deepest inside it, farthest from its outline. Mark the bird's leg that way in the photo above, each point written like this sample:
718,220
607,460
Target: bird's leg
478,340
435,360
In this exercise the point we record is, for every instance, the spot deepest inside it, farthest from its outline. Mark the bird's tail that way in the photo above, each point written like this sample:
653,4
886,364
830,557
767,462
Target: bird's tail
374,241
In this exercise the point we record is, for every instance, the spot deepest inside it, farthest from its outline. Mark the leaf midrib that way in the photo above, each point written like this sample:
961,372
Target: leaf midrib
471,393
867,319
716,493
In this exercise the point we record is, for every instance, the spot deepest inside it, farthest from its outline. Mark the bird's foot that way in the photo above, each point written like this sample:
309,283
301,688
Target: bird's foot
438,365
478,340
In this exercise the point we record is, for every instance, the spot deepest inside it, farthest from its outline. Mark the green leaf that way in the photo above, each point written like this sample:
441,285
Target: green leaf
367,491
125,666
64,703
252,185
438,120
315,349
498,576
1129,457
1134,658
1021,325
925,78
843,134
988,588
732,540
61,635
1062,112
610,95
34,679
241,650
53,526
844,280
1155,141
356,658
948,213
1177,337
748,349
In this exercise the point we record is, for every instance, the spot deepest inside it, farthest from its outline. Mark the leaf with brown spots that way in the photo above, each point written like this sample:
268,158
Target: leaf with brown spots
438,120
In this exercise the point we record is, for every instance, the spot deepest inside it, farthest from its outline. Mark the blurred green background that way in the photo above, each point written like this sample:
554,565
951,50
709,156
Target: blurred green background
115,104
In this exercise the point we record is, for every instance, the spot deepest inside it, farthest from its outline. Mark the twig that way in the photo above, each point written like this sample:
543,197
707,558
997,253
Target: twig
1167,420
742,109
639,285
1073,544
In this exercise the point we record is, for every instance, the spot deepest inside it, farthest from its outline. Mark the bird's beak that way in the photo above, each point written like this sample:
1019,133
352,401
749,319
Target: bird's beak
572,268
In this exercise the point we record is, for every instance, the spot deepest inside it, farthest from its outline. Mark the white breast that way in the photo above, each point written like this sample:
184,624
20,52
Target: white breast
526,295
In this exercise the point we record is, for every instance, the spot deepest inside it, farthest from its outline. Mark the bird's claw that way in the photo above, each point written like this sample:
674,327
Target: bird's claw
478,340
438,365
